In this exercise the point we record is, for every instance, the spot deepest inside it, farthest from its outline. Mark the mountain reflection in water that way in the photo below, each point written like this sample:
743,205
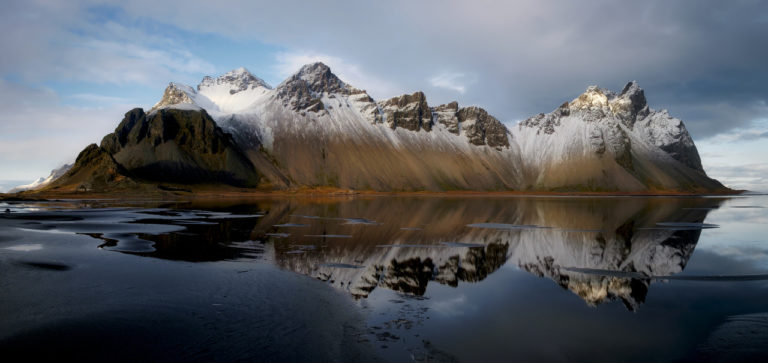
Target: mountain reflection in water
407,243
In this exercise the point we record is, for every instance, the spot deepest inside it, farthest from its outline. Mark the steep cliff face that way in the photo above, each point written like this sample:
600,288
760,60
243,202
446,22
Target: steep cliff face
482,128
410,112
168,145
181,146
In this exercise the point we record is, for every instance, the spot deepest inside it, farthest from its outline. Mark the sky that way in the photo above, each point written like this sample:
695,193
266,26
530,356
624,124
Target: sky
70,70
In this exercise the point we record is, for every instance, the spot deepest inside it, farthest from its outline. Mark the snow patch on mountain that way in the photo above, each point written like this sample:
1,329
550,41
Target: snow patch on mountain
43,181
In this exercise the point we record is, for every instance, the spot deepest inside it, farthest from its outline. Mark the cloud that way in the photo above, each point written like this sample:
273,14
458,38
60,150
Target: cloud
451,81
528,56
38,133
99,99
69,43
752,177
701,59
754,136
452,307
752,131
737,157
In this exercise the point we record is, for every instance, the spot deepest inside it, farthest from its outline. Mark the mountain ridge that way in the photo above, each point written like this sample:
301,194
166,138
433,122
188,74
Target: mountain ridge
314,130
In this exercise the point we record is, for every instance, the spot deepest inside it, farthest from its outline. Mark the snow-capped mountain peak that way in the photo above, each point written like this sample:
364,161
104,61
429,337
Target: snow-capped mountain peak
594,98
174,94
233,92
316,78
626,106
305,90
320,78
237,80
617,136
43,181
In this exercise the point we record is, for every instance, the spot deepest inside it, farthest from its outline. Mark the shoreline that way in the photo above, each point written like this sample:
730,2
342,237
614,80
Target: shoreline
233,193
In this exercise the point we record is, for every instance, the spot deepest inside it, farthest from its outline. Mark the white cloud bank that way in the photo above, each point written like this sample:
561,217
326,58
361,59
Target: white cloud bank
451,81
38,133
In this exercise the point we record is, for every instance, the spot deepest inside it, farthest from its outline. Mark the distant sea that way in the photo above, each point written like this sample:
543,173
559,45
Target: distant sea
6,185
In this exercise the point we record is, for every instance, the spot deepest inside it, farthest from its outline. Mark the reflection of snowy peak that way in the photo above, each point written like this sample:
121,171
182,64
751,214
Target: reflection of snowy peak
650,253
617,236
406,269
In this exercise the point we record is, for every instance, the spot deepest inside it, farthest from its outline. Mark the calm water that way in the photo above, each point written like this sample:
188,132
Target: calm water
387,278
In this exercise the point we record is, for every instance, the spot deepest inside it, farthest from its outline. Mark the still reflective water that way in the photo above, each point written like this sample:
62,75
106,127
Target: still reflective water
388,278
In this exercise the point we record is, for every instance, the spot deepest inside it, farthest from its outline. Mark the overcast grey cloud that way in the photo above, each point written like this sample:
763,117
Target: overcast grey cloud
529,56
62,41
754,136
39,131
705,61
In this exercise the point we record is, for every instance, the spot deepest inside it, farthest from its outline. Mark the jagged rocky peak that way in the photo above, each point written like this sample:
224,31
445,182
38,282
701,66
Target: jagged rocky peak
237,80
175,94
634,94
318,78
410,112
446,115
94,170
304,90
594,98
482,128
177,145
628,106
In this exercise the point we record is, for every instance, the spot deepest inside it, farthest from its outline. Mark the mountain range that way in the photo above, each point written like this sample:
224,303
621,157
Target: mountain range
314,131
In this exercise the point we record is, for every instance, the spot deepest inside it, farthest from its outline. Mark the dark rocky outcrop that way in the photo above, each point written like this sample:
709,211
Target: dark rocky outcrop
635,105
482,128
183,146
95,170
410,112
303,90
166,146
446,115
297,95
